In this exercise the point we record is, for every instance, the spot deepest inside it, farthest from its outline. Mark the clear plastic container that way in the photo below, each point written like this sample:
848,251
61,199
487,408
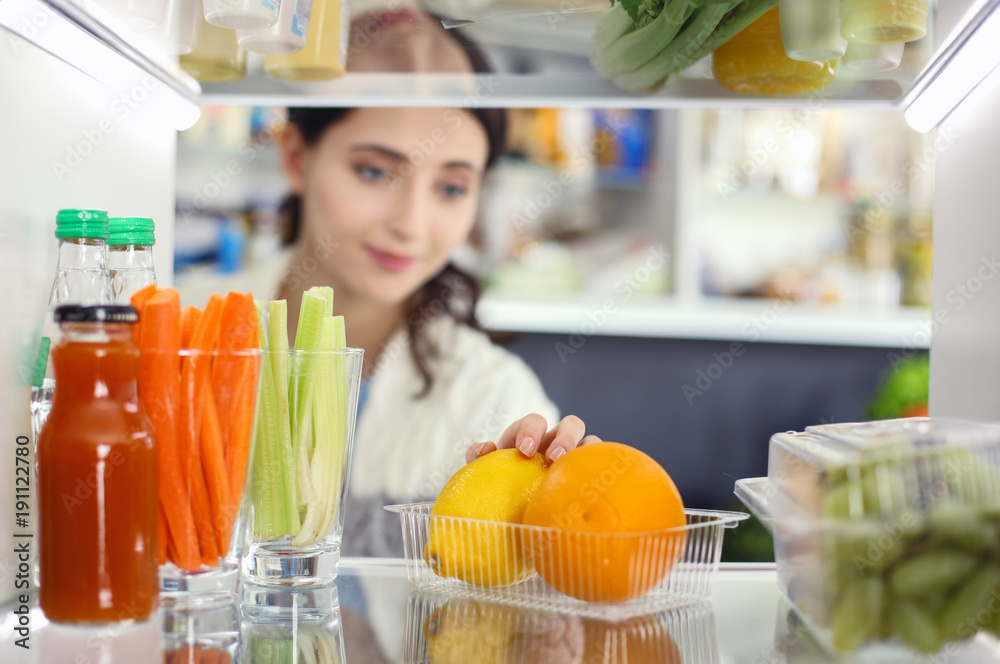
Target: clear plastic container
883,21
286,36
137,14
445,628
180,28
664,569
868,58
885,531
810,29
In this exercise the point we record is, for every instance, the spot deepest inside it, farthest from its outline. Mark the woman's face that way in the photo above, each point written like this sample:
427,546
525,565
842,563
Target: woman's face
390,192
402,39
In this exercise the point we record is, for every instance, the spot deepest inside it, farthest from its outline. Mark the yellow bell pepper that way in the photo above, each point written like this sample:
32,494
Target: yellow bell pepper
754,62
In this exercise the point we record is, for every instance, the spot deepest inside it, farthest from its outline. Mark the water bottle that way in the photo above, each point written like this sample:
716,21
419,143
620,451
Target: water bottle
130,256
81,278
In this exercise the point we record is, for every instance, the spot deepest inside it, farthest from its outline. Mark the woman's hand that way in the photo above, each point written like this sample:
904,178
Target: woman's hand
531,434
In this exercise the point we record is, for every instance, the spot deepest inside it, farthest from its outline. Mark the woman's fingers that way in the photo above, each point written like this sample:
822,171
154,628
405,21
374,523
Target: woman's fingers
525,434
477,450
529,436
564,436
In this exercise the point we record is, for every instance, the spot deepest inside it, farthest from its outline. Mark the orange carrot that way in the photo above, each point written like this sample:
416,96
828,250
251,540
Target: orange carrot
138,299
161,535
189,321
195,372
234,382
216,479
160,394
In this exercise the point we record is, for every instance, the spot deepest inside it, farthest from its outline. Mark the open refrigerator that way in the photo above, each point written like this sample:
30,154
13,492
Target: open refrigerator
90,116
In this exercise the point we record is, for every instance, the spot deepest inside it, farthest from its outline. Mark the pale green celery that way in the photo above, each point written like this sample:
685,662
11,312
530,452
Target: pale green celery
303,381
340,459
329,426
614,56
277,318
685,49
270,516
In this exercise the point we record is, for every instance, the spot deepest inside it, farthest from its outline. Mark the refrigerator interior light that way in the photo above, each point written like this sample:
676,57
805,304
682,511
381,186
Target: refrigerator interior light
94,54
973,62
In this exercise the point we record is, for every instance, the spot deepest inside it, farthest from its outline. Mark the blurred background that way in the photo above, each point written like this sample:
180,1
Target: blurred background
687,281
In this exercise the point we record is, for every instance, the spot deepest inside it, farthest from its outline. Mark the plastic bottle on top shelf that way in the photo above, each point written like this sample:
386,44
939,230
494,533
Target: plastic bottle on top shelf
217,58
181,26
324,55
286,36
136,14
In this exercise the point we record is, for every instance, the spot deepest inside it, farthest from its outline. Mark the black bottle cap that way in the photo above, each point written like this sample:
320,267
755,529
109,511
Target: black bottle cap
97,313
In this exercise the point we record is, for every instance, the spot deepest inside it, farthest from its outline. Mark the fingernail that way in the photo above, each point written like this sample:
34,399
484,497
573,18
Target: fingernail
528,446
556,452
476,449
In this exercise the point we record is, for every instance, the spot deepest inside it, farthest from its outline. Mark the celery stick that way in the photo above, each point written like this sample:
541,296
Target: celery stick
630,51
340,457
303,380
323,423
277,316
268,519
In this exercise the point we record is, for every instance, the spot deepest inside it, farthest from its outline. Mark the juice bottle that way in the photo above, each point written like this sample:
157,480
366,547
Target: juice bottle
96,476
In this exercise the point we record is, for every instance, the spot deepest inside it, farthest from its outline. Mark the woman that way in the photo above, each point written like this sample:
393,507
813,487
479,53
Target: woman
381,198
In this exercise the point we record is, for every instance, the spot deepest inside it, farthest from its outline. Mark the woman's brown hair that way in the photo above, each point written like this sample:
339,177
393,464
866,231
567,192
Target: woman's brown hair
452,291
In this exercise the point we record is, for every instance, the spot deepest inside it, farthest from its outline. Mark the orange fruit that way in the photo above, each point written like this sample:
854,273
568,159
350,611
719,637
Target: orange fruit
604,508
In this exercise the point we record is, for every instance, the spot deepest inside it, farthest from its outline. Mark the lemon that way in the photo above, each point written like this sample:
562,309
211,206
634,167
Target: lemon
465,630
494,490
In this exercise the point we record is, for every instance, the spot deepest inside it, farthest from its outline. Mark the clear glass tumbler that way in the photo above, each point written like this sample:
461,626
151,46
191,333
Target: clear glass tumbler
294,511
883,21
810,29
203,408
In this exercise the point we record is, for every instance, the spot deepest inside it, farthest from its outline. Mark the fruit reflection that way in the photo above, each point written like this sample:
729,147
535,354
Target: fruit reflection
471,631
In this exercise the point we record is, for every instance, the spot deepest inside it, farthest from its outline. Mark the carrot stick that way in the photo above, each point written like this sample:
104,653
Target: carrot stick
138,299
161,535
216,479
195,373
190,318
160,394
234,382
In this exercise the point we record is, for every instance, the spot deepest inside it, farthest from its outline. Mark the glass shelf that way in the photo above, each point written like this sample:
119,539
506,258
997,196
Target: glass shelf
542,61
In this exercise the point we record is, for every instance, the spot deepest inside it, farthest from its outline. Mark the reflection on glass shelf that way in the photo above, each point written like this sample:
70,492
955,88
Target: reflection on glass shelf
443,628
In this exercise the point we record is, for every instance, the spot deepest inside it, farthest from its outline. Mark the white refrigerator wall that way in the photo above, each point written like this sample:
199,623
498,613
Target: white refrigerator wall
65,141
965,350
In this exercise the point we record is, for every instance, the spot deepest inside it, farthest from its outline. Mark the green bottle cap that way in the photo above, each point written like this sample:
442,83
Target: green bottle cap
130,230
82,223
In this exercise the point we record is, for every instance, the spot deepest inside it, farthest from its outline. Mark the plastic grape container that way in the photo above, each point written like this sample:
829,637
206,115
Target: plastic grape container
886,532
